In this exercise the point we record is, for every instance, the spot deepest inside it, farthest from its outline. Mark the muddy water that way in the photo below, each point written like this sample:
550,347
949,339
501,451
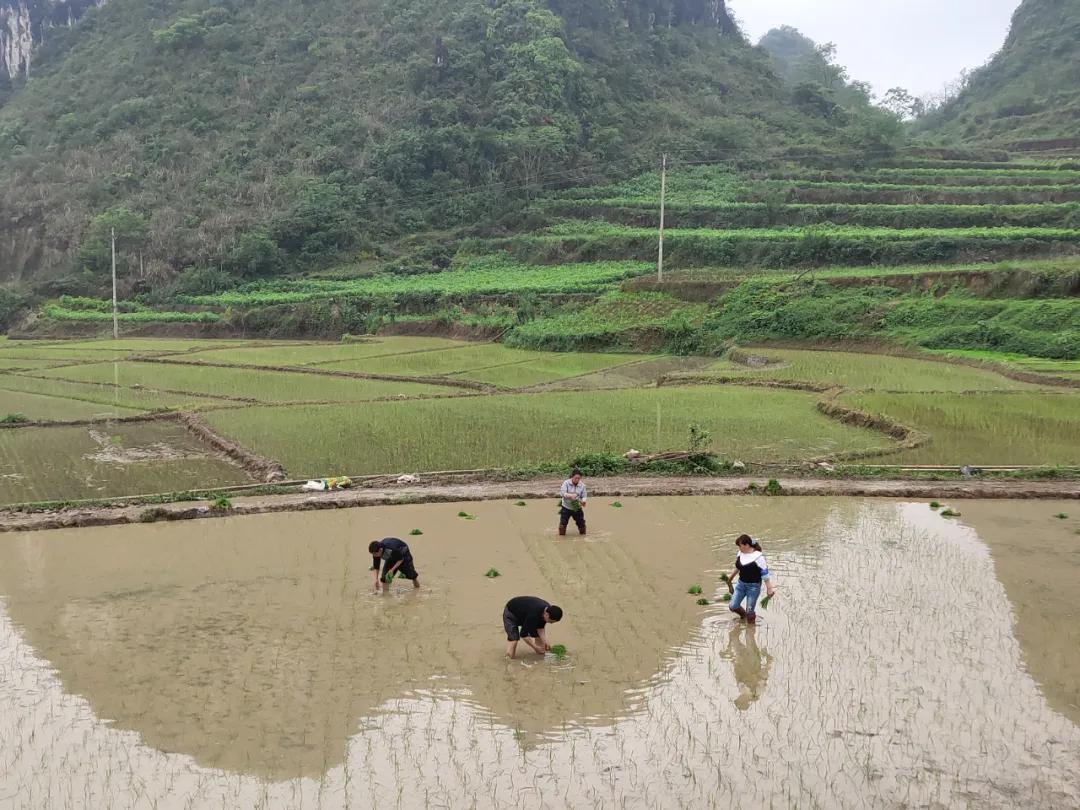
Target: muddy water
247,662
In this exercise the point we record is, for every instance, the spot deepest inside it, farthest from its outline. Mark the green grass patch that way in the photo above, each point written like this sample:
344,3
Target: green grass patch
983,429
109,397
305,354
245,383
859,371
532,429
44,408
1037,365
550,367
454,360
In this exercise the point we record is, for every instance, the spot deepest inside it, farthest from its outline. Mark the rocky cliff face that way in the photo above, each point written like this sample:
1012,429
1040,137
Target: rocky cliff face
25,23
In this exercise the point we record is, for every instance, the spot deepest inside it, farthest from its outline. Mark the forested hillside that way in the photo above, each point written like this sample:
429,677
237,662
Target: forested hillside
1029,91
254,137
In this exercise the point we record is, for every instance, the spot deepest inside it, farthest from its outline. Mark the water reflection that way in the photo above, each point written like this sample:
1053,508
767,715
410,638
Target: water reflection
750,664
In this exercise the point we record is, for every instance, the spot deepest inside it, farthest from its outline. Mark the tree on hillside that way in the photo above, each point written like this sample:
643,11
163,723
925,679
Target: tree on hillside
901,103
131,228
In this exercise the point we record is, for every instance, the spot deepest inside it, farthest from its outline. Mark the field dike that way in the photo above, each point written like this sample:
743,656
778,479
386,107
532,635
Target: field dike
258,467
908,438
536,489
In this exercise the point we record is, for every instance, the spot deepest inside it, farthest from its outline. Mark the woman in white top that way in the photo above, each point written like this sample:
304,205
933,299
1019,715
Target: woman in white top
751,569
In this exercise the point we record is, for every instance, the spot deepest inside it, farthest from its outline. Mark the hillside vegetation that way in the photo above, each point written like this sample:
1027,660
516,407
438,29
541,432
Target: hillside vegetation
1029,91
250,139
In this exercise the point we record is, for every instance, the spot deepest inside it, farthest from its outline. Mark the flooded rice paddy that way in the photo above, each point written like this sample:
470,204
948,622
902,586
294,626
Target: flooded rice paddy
909,660
107,459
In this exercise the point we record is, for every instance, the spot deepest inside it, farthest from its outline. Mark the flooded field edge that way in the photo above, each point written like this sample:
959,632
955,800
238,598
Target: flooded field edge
248,662
451,491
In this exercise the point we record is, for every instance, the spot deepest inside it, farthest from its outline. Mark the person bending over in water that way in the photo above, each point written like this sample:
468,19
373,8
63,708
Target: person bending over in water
752,570
524,617
396,558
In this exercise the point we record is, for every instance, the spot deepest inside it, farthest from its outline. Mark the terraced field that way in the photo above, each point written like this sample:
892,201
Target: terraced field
953,286
353,408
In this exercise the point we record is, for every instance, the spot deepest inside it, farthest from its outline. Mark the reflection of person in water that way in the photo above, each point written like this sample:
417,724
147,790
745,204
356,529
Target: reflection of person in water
751,664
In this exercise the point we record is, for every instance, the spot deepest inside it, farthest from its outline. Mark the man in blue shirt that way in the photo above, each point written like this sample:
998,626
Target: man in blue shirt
573,496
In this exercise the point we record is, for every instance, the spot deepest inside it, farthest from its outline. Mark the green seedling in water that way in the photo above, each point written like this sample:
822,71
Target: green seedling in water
616,505
950,513
1061,516
726,597
765,602
935,505
466,516
520,503
221,504
492,573
703,601
694,590
773,487
559,651
415,533
725,578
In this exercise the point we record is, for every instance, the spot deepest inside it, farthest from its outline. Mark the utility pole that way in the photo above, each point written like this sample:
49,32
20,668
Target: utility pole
115,320
663,201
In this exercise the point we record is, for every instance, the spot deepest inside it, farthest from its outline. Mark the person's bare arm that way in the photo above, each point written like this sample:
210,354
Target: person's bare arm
542,635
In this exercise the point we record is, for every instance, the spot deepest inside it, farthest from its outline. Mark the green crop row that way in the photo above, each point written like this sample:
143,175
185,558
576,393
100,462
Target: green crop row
615,321
1026,171
900,177
766,215
762,309
60,313
853,193
606,229
769,308
487,276
695,184
790,247
78,302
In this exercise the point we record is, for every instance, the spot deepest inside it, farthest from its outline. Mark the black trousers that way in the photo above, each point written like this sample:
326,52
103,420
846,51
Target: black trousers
578,516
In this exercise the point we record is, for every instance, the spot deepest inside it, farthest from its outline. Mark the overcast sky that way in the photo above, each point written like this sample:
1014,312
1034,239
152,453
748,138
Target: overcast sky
917,44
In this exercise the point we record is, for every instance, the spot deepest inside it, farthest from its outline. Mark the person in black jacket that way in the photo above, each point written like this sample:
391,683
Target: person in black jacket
525,617
396,559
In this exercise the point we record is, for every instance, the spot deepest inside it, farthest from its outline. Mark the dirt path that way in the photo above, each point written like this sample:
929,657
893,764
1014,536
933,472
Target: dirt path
600,488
